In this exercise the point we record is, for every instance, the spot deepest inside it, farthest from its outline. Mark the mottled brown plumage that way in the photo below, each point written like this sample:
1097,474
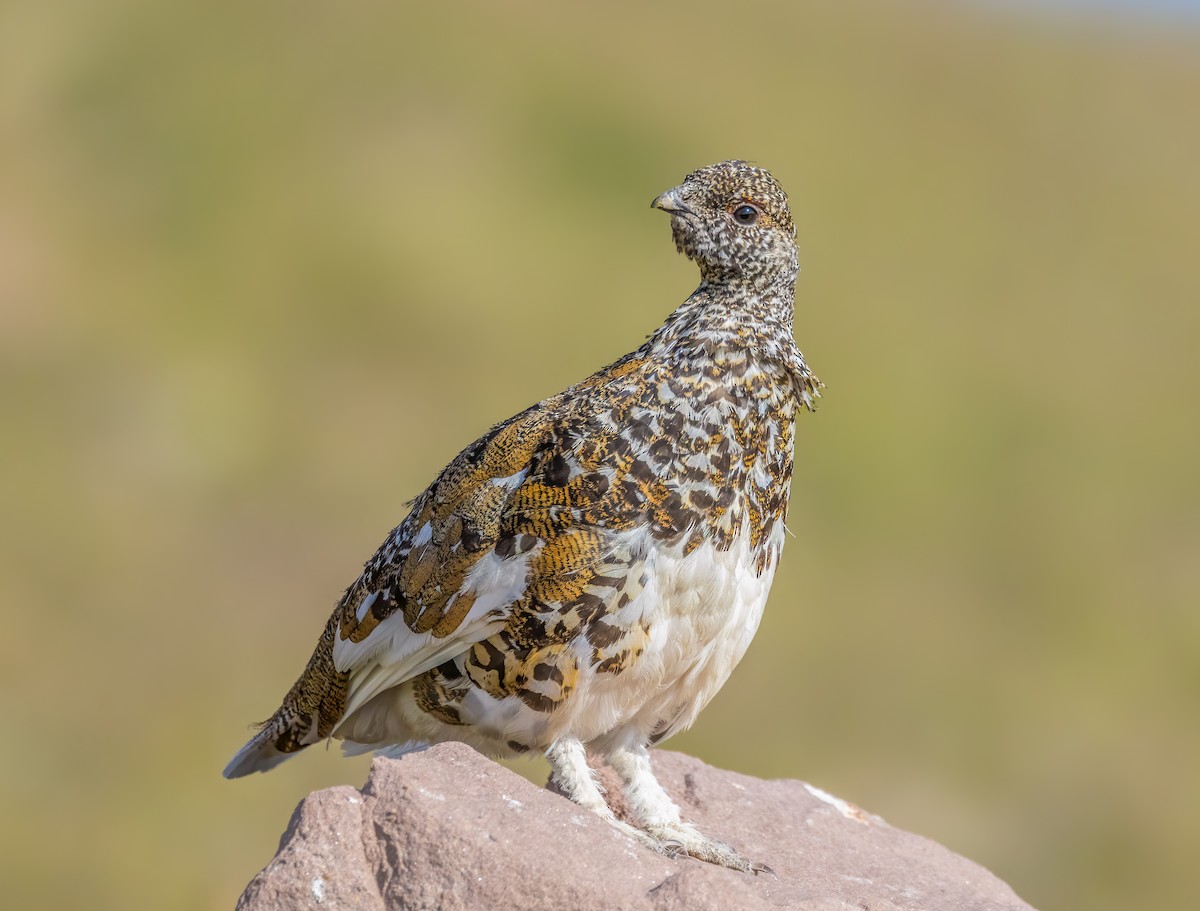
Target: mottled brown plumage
588,572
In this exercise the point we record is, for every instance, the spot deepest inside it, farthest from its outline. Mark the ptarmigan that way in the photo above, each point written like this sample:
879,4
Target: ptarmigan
585,576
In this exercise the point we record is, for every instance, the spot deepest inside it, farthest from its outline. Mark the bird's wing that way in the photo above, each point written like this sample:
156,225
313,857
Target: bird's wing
439,584
449,576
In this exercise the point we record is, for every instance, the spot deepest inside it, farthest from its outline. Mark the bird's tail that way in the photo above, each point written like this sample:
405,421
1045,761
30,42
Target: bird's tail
263,751
308,714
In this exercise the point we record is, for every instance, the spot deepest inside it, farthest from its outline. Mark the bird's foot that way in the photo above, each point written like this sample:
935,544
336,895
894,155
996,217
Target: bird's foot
645,839
683,838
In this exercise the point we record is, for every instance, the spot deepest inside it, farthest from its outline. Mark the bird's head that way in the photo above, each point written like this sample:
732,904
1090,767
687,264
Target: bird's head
732,219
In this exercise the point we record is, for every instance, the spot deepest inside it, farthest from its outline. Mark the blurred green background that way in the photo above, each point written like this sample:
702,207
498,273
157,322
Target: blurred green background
265,268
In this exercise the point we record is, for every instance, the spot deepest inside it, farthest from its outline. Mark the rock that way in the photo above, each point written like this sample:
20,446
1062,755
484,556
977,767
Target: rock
448,830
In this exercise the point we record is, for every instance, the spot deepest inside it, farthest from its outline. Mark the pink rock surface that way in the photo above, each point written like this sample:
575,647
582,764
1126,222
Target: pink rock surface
447,829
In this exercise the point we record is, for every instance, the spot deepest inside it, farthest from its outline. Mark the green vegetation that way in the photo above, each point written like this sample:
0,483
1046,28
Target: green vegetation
264,268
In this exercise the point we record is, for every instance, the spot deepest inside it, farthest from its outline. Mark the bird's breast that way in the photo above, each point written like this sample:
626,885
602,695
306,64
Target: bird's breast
711,455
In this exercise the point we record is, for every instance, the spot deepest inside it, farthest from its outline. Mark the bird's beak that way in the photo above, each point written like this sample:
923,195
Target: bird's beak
672,201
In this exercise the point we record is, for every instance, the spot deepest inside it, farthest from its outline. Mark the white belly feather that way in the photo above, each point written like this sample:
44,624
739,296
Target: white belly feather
702,610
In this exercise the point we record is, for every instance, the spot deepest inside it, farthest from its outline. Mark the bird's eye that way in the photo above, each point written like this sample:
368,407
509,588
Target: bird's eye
745,214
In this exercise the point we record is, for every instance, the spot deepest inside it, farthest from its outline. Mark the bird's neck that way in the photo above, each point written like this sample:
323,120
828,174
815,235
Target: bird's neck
764,277
726,325
730,316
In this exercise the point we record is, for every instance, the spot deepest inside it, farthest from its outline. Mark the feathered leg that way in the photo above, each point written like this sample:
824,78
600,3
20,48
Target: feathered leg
574,778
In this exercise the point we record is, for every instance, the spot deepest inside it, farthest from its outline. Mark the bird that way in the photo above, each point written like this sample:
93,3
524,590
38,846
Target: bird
582,579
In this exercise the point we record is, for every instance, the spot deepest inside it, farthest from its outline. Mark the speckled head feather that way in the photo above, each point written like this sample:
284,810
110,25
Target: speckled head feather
733,220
